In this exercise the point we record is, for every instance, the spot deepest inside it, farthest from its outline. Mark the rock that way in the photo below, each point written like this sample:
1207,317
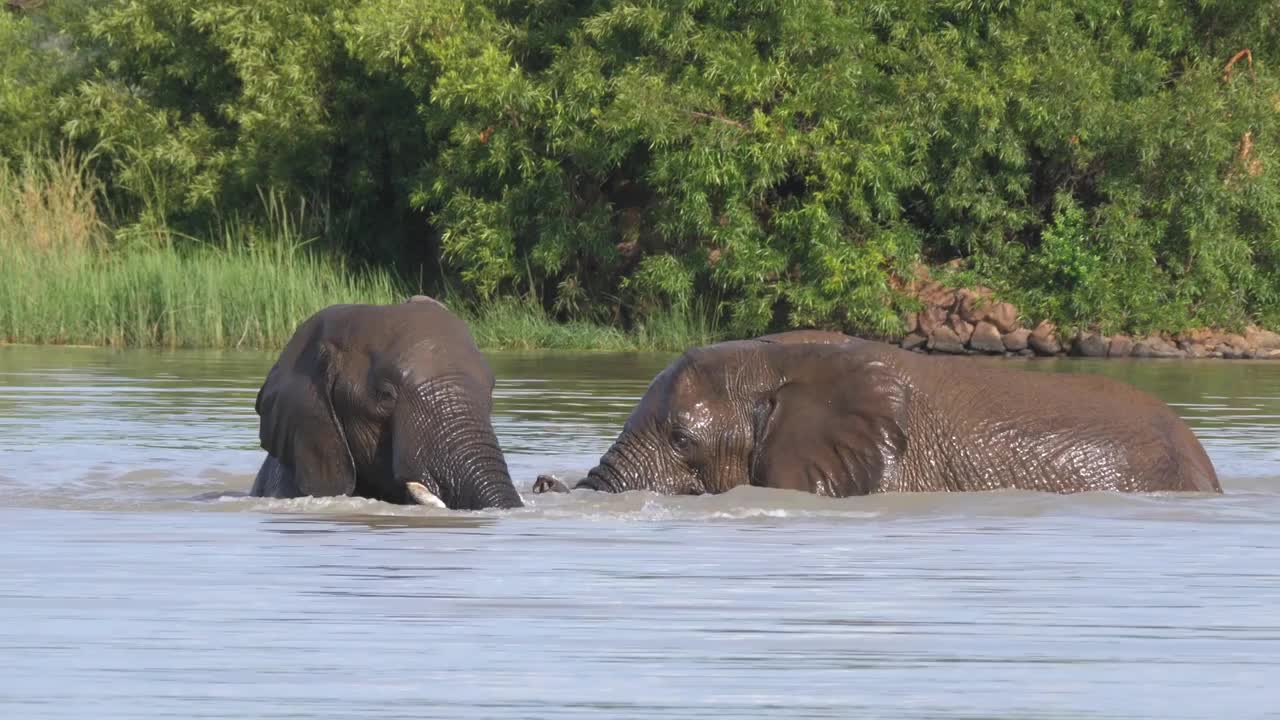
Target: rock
1193,350
1004,316
1269,354
1016,340
1090,345
1203,337
935,294
943,339
1044,339
1120,346
920,272
1156,347
913,341
986,338
1026,353
910,322
962,329
1233,347
1238,343
969,305
930,320
1262,339
973,304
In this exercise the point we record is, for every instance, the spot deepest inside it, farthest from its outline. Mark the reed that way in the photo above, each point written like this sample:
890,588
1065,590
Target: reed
68,277
513,324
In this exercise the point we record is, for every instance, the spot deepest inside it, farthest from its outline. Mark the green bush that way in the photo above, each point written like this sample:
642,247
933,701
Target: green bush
68,279
764,164
191,109
1088,157
33,71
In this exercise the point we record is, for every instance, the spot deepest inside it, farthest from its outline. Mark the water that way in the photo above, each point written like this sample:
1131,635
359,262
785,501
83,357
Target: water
121,596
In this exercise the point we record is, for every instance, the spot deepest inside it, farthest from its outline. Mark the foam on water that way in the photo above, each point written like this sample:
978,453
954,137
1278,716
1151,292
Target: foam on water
157,489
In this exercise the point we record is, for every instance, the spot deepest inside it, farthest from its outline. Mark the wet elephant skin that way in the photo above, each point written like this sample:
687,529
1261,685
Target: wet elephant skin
838,416
387,402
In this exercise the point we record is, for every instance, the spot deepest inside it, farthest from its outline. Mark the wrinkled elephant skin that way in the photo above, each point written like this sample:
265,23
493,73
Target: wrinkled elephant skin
388,402
838,416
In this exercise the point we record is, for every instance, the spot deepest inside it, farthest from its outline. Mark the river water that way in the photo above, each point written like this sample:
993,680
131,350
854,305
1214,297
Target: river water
125,594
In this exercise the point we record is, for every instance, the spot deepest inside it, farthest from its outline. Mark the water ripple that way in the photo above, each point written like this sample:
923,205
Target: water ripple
139,583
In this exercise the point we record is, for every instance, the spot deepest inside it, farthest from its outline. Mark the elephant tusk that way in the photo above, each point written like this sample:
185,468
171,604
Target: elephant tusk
423,496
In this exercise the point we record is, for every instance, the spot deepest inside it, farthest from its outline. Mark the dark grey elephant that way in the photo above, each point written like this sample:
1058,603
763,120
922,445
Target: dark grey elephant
386,402
839,416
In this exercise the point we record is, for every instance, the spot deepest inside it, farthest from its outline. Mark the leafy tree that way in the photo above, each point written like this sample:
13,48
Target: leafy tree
195,108
796,157
34,68
1102,164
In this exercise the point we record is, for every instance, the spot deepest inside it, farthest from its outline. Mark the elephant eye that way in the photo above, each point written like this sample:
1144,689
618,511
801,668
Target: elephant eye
681,440
386,392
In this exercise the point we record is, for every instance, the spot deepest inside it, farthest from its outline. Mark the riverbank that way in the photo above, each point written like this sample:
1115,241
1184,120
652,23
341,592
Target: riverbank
68,277
253,296
788,176
972,321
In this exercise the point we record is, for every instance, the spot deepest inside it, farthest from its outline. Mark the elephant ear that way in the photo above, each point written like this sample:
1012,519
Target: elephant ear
297,423
836,426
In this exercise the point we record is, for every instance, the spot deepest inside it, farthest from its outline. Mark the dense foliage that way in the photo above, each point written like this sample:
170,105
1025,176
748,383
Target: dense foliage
784,163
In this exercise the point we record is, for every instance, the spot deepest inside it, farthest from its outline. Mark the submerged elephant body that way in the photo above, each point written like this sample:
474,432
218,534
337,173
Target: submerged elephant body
385,402
838,416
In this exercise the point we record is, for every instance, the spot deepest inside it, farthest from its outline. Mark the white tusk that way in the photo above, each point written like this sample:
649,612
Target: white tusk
423,496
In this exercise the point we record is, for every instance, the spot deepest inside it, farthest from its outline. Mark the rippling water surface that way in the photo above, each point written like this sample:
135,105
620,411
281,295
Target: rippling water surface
123,594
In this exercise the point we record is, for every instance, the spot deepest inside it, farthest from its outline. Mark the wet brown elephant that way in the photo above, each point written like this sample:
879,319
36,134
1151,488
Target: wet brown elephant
389,402
834,415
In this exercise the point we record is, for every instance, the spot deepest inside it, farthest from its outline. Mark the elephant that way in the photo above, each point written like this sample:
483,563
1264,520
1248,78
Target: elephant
840,416
388,402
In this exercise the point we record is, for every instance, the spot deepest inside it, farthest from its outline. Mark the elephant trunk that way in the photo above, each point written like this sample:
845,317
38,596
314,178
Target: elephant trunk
445,444
606,475
637,461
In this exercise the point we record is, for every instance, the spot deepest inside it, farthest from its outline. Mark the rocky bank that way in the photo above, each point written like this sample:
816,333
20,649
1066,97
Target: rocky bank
970,321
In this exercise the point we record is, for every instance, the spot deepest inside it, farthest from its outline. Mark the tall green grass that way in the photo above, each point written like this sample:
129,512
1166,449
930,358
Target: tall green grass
67,277
513,324
679,328
234,297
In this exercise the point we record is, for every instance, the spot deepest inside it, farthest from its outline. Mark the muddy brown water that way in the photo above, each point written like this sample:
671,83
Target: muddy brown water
122,596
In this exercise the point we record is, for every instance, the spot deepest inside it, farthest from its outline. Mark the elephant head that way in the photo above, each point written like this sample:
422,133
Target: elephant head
741,413
834,415
386,402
